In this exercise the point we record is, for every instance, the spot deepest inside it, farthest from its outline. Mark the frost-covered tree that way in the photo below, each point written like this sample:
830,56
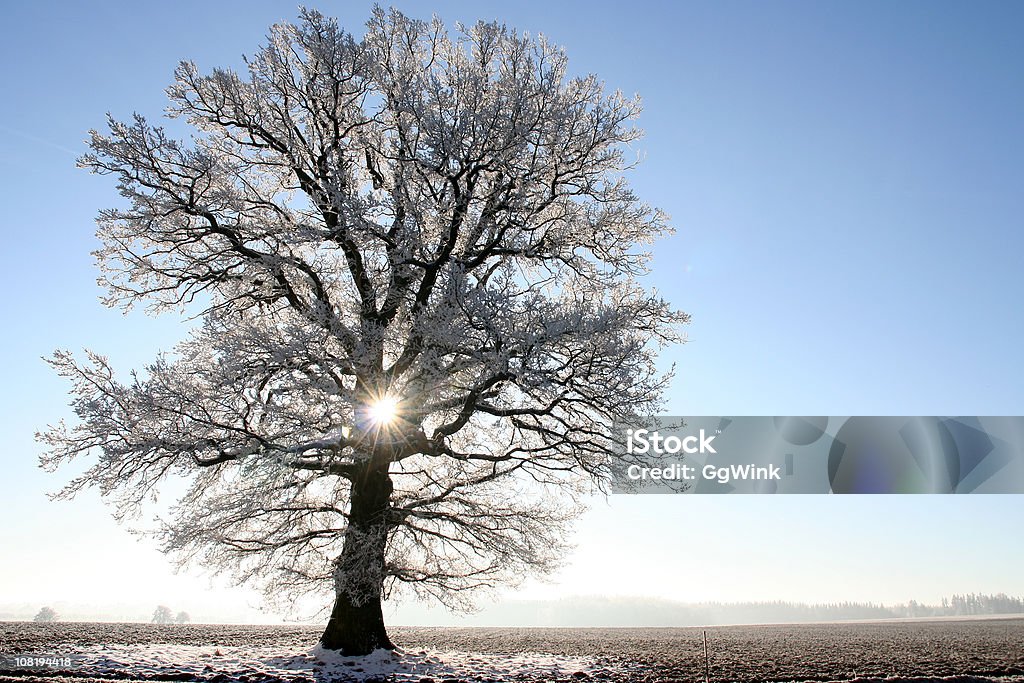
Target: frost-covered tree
182,618
163,615
46,615
415,259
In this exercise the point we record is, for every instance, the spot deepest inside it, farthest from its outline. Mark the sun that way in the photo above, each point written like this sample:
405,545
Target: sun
383,411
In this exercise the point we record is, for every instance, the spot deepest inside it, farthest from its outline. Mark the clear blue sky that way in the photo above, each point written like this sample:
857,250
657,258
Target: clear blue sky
847,181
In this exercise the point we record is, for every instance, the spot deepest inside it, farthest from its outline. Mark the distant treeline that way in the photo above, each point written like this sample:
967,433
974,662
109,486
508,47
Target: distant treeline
584,611
963,605
972,604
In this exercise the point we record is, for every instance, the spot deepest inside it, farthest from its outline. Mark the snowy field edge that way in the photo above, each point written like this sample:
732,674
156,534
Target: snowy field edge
905,652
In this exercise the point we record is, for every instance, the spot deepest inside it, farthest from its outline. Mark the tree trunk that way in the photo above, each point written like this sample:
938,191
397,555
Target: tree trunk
356,626
356,630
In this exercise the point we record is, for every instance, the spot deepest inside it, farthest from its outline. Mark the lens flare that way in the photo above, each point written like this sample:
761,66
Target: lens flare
383,411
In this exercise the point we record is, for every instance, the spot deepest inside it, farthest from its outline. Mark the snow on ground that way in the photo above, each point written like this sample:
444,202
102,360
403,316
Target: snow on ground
274,663
268,664
871,652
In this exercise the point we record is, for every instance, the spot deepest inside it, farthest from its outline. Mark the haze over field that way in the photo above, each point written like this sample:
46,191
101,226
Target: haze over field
586,611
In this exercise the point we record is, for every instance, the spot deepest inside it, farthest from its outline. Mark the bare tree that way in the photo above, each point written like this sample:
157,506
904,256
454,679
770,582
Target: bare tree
46,615
414,258
163,615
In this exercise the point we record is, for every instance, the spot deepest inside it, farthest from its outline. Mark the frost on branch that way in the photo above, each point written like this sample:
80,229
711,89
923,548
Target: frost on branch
437,220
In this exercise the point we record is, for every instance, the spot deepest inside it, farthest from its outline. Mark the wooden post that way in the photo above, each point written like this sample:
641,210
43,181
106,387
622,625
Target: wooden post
707,665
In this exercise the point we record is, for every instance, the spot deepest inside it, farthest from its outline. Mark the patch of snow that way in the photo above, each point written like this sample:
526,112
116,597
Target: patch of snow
276,664
294,666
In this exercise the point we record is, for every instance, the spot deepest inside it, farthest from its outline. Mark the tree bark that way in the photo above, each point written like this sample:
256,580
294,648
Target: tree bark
356,626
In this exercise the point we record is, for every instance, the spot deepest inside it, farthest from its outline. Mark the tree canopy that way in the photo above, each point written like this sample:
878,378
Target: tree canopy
414,259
